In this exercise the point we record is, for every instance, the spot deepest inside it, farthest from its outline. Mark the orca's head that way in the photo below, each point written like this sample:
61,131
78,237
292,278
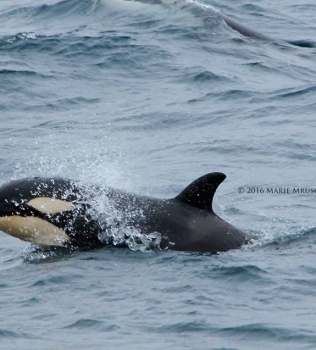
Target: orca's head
48,213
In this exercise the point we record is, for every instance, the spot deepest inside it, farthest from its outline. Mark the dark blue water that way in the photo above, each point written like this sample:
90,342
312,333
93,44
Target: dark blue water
147,98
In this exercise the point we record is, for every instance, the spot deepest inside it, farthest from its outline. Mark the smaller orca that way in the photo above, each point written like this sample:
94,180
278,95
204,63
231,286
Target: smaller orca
204,11
56,212
251,33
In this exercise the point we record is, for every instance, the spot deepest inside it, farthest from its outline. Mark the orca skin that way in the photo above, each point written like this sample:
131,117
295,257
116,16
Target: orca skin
58,212
204,11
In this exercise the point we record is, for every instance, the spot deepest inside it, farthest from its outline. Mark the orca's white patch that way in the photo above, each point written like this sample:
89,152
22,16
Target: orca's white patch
34,230
49,205
122,4
131,5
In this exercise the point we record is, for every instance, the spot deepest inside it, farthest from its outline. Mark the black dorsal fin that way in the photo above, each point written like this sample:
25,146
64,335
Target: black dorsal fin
200,192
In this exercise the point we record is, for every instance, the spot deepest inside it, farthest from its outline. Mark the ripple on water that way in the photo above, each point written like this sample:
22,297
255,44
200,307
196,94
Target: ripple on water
5,333
90,324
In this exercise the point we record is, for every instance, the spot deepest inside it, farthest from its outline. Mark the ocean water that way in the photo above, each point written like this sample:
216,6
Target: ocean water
147,98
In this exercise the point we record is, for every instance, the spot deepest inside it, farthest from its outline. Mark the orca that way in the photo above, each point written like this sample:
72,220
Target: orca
205,12
251,33
56,212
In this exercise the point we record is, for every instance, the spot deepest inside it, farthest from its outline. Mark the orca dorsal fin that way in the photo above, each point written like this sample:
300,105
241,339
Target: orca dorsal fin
200,193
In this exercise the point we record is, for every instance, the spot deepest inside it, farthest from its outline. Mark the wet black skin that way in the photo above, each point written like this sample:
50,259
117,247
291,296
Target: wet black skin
78,224
186,222
205,13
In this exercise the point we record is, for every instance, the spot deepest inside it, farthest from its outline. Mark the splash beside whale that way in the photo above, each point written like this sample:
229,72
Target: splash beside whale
56,212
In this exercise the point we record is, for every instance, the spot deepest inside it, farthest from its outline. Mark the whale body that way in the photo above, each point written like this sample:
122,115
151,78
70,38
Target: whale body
204,11
56,212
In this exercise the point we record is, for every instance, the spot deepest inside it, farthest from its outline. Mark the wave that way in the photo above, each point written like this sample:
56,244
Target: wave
59,9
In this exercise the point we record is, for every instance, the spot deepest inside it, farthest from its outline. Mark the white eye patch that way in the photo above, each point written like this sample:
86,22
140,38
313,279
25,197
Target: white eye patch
48,205
34,230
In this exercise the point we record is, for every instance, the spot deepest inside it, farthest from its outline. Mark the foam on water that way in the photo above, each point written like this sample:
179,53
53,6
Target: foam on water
147,100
